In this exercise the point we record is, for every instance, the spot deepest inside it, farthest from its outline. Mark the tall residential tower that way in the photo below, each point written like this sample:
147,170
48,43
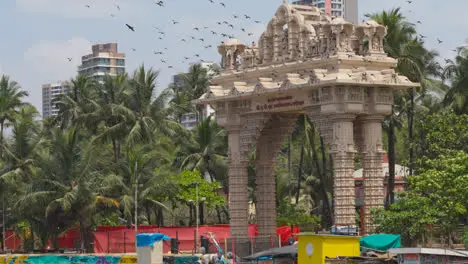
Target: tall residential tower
50,92
104,60
348,9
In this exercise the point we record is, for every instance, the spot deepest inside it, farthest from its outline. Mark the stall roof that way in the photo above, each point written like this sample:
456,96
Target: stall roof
289,250
430,251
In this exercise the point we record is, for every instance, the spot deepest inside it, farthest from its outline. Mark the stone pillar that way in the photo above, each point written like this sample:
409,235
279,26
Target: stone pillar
243,132
232,61
266,189
277,51
270,142
342,149
237,173
371,150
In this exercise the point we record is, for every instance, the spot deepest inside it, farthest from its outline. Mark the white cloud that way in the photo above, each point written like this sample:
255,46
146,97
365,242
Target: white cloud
75,8
50,58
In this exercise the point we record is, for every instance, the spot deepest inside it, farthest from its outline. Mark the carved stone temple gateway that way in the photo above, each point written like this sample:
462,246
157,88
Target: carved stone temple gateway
305,63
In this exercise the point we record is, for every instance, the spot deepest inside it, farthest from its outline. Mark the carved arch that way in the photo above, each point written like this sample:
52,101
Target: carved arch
271,27
261,50
294,35
283,13
282,16
266,48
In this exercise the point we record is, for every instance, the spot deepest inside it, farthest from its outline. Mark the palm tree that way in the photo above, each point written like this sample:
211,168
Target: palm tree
316,176
19,158
77,107
180,103
207,151
63,186
19,153
112,111
457,72
151,116
146,165
196,83
415,62
10,102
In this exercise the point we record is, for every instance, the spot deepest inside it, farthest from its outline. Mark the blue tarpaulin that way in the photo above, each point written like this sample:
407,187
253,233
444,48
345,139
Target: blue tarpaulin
147,240
69,260
380,242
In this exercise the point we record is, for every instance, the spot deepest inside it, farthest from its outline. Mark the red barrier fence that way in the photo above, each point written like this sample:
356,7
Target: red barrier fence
120,239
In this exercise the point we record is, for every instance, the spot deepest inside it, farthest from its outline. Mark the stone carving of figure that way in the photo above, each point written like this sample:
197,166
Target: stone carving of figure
333,44
314,48
239,63
364,76
375,43
285,43
344,42
236,60
228,62
325,45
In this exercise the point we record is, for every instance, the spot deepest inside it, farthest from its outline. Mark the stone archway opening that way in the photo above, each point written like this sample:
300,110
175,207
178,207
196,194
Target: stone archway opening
345,90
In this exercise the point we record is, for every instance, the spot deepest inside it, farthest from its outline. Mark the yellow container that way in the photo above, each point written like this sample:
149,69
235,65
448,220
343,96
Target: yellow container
313,249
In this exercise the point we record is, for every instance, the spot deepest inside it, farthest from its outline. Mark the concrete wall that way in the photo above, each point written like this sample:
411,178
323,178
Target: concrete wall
88,259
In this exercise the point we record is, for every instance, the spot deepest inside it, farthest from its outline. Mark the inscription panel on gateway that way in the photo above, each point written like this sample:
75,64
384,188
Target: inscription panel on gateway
280,102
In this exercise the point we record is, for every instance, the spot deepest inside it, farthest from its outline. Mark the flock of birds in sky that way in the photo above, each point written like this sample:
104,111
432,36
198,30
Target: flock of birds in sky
222,30
225,29
423,37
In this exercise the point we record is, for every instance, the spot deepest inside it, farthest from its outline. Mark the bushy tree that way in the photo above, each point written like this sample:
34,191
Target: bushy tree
436,197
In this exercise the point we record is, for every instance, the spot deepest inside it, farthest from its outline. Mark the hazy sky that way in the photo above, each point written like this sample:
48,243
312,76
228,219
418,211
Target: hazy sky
39,35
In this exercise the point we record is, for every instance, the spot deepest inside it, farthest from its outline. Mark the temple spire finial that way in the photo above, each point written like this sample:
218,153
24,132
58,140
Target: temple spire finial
285,2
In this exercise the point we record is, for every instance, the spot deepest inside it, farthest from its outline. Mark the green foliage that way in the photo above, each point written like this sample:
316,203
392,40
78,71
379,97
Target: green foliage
411,217
81,168
288,214
456,72
443,133
187,182
206,151
437,196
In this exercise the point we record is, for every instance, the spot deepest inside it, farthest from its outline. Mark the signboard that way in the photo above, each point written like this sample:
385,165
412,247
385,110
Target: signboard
280,102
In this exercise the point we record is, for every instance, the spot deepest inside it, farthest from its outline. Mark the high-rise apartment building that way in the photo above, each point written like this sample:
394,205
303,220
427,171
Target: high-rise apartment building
104,60
348,9
50,92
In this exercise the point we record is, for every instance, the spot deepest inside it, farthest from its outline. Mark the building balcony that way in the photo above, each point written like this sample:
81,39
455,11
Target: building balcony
95,65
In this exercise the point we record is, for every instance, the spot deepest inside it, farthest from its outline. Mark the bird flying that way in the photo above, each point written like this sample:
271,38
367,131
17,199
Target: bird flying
130,27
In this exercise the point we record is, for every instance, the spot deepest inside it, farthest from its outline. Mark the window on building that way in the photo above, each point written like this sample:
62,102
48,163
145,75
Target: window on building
120,71
120,62
99,78
103,61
